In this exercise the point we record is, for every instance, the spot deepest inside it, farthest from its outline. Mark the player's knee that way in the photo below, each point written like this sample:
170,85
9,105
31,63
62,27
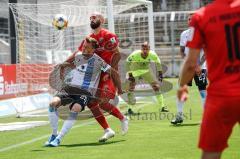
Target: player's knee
55,102
76,108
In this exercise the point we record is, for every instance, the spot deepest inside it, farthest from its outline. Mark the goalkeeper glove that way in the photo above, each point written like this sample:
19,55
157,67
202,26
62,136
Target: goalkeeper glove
160,77
130,77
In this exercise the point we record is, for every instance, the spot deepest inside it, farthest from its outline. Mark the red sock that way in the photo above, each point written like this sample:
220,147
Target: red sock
112,110
98,115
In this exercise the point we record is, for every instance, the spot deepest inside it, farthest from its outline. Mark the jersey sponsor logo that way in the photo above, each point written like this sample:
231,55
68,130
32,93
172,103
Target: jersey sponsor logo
82,68
113,40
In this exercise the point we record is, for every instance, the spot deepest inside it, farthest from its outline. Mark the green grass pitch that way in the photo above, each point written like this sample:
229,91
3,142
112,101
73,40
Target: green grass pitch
149,137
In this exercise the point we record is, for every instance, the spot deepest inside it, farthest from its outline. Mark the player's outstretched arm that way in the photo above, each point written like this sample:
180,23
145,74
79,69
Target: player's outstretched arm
189,66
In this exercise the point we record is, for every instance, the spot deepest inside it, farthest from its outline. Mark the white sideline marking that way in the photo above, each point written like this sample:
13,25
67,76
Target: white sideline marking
21,125
39,138
45,136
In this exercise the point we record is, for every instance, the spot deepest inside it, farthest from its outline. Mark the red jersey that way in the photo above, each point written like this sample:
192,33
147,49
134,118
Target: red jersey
107,41
216,27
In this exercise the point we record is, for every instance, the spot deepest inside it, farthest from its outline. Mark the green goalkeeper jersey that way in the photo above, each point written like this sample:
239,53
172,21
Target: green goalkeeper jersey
137,65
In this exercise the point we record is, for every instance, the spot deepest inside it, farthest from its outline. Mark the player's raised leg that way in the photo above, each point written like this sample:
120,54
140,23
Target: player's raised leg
131,99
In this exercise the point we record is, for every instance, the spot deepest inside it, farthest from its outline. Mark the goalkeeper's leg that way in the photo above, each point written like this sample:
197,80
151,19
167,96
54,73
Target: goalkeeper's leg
131,99
159,96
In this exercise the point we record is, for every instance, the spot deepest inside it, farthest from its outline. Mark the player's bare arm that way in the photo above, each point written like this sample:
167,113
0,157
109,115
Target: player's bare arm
116,79
187,71
115,58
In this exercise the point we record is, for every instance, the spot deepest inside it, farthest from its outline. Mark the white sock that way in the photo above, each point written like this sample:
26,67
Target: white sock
108,129
180,105
53,119
68,124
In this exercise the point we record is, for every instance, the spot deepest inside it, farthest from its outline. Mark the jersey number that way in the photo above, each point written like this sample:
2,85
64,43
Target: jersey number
232,38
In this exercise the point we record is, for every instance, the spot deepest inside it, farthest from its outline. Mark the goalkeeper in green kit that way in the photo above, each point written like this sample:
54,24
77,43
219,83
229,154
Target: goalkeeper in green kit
138,66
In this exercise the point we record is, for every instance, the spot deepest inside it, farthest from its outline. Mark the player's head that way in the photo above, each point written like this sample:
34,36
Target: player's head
96,19
145,49
89,46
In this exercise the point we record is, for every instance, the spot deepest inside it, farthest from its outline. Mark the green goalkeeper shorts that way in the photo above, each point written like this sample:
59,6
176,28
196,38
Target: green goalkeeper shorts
148,77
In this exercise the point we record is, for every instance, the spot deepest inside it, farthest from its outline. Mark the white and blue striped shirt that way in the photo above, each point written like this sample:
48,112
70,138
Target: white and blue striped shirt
87,72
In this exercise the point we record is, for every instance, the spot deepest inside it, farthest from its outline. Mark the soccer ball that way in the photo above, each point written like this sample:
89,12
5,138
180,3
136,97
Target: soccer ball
60,21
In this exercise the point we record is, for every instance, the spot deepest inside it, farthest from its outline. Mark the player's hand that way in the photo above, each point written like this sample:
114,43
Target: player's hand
131,78
182,93
160,78
121,92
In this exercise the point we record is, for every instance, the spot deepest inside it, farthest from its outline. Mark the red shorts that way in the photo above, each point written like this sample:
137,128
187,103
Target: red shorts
220,115
106,88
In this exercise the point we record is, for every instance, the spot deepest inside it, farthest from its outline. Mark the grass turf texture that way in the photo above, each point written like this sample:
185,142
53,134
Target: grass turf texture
147,138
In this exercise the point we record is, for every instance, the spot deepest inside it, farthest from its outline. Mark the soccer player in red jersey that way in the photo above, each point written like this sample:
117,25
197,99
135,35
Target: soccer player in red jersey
109,52
216,28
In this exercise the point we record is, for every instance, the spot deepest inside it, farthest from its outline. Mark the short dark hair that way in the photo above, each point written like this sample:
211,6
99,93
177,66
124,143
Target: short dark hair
93,42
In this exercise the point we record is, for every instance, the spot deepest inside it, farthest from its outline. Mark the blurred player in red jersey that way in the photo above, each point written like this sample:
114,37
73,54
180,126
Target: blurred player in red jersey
216,28
109,52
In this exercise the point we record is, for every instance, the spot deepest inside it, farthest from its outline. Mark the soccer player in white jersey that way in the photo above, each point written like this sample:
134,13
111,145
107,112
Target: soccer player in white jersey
85,75
200,76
